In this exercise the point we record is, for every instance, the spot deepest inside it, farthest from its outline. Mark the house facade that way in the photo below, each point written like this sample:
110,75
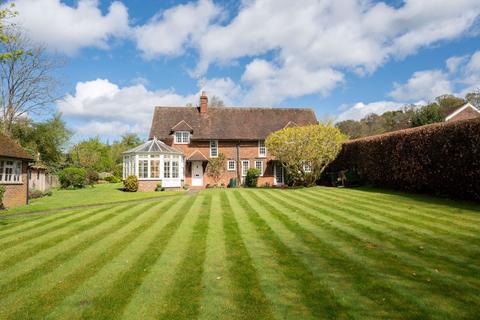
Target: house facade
201,133
13,172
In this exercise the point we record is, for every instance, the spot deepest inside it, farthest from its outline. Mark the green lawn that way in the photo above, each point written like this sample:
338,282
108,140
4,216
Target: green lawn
318,253
99,194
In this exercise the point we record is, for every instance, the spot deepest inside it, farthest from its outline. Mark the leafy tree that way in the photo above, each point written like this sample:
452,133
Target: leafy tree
448,104
216,167
353,129
45,140
92,154
430,113
305,151
73,178
251,179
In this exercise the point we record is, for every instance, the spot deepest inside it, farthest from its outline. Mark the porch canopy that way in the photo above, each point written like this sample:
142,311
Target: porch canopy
155,161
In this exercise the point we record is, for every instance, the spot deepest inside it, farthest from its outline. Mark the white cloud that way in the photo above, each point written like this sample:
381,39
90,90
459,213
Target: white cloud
360,109
102,107
168,33
425,85
67,29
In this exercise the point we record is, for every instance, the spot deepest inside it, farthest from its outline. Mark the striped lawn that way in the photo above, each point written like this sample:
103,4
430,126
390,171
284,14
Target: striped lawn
316,253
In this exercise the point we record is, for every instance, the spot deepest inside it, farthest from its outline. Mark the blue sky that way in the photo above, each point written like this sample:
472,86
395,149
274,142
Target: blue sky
344,58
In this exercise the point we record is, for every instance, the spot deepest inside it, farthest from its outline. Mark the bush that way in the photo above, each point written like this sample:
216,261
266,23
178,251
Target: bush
113,179
131,184
2,192
35,194
72,178
92,177
252,178
442,159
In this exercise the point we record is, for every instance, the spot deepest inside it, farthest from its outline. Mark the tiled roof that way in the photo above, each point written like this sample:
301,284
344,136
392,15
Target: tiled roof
153,145
197,156
9,148
228,123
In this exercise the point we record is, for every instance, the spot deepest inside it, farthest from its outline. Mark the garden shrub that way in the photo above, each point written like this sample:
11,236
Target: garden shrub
92,177
72,178
442,159
252,178
113,179
2,192
131,184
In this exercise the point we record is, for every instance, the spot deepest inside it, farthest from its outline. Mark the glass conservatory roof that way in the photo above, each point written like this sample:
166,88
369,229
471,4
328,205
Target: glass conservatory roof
153,146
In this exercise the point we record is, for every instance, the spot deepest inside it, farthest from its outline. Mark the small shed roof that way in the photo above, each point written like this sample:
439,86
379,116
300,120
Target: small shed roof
11,149
153,146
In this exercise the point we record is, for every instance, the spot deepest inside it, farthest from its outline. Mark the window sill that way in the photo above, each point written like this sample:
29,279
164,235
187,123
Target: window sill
11,183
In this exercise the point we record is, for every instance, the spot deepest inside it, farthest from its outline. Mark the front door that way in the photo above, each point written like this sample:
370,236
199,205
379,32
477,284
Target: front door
197,174
278,173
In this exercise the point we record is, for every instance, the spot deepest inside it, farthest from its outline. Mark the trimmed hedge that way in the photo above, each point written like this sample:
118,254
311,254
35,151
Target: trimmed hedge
443,159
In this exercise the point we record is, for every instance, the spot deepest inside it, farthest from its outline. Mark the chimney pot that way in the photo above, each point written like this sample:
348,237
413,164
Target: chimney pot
203,102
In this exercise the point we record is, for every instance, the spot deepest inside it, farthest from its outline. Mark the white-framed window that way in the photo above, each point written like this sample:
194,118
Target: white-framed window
175,168
213,148
259,166
142,169
182,137
307,167
166,168
10,171
262,150
245,167
231,165
154,168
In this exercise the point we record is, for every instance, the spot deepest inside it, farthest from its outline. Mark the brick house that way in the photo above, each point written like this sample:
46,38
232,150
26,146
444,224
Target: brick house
189,137
468,111
13,172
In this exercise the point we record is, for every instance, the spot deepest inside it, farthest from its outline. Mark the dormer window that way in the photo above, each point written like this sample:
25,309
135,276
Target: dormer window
182,137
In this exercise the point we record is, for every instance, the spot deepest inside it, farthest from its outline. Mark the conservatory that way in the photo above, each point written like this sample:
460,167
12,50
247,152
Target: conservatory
154,162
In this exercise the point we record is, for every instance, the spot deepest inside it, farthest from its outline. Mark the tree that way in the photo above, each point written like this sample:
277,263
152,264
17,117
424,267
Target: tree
305,151
474,98
430,113
92,154
216,102
44,140
28,81
353,129
6,27
448,104
216,167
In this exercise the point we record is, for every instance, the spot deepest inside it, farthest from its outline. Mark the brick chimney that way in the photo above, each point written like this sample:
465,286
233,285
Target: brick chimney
203,102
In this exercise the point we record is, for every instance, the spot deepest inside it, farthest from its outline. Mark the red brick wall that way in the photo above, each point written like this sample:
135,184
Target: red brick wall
16,194
248,151
466,114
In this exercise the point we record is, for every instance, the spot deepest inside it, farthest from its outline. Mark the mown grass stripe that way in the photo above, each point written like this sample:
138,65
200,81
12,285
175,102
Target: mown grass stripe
40,305
361,277
183,299
463,247
466,211
381,233
26,224
111,304
443,216
248,296
404,215
46,232
217,302
28,277
315,295
388,264
39,246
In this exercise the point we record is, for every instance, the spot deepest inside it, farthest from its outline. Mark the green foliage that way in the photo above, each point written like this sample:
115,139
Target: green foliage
131,184
316,145
44,140
474,98
2,192
251,178
430,113
6,14
73,178
36,194
113,179
216,167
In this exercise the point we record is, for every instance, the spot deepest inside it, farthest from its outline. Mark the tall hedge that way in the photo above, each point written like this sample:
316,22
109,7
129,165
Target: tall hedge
442,159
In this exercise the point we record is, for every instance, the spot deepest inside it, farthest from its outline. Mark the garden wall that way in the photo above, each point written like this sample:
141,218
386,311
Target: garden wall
442,159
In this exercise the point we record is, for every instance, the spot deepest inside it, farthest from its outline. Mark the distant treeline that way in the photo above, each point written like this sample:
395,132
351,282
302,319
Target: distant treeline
408,117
